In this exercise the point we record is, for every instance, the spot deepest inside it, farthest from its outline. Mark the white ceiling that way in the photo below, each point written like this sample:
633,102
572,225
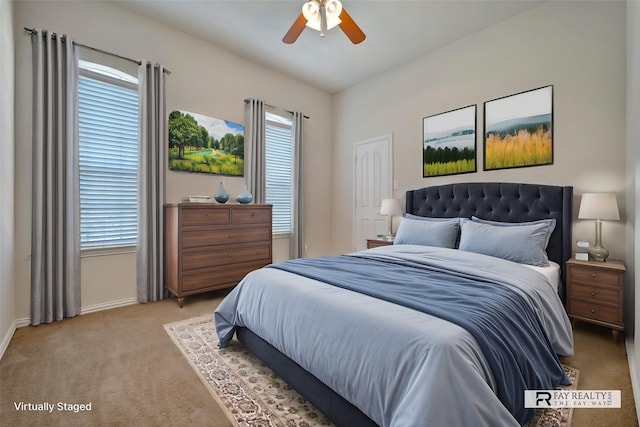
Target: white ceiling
397,32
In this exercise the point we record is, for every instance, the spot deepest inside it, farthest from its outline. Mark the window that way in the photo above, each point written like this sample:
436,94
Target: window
279,169
108,133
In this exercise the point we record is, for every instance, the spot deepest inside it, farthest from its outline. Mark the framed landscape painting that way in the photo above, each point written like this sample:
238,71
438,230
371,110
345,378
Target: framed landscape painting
449,142
518,130
203,144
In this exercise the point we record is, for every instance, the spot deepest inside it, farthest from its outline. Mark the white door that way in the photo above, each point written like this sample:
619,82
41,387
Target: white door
373,174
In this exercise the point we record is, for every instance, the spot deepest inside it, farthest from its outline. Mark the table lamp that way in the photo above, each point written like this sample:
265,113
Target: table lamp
599,206
390,207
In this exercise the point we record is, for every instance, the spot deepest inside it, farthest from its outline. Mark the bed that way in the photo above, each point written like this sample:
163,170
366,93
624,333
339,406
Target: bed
364,339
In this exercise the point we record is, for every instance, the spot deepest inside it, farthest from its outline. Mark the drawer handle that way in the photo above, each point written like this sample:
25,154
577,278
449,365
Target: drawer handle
593,275
593,310
230,236
229,255
593,294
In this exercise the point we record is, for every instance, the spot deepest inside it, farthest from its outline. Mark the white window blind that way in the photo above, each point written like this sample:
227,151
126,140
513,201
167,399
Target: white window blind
279,169
108,131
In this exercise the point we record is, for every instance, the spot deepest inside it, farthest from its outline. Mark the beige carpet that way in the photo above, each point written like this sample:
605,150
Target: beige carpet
253,395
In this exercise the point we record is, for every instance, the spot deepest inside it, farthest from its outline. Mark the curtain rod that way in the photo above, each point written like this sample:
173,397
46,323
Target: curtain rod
135,61
272,106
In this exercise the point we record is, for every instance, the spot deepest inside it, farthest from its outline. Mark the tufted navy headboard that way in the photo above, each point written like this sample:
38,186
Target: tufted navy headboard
502,201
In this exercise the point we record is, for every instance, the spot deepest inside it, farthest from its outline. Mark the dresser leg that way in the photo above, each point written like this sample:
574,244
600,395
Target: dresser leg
615,333
181,301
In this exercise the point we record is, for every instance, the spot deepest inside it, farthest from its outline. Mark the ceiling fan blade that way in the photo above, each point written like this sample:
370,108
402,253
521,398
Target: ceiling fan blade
295,30
350,28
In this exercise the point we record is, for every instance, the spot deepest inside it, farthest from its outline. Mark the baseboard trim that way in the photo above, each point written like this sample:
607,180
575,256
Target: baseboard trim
108,305
19,323
25,321
633,373
7,339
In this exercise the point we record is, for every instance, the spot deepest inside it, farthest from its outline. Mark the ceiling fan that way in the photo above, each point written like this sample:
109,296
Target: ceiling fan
323,15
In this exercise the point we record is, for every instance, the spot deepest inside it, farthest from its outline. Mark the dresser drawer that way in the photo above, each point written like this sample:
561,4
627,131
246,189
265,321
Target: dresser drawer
250,216
221,277
595,276
204,216
202,238
226,256
595,294
594,311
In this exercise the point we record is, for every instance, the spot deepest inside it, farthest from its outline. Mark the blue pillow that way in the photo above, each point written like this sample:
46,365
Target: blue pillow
524,244
427,218
425,231
551,224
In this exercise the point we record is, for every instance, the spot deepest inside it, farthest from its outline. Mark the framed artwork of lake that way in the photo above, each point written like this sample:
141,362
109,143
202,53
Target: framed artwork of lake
449,142
518,130
203,144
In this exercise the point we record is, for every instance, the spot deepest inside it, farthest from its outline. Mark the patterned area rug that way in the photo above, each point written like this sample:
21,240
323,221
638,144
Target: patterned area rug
253,395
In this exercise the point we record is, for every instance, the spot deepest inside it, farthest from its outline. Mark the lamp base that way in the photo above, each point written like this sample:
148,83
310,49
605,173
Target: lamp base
598,253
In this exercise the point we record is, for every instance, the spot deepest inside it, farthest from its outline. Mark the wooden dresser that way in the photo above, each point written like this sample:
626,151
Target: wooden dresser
213,246
595,293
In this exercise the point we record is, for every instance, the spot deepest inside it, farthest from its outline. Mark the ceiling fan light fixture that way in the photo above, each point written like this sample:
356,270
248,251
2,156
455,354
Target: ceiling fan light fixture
333,9
311,12
322,15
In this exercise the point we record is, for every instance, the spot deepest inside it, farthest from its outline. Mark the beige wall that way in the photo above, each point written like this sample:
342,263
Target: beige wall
7,290
204,79
632,296
579,47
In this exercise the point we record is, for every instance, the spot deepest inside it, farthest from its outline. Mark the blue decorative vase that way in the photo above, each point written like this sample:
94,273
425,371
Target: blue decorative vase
244,197
221,196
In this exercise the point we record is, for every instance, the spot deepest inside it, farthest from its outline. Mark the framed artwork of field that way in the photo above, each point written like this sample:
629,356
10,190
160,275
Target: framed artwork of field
518,130
202,144
449,142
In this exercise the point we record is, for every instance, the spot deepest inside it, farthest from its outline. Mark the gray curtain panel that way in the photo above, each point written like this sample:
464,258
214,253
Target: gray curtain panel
296,245
254,156
152,161
55,223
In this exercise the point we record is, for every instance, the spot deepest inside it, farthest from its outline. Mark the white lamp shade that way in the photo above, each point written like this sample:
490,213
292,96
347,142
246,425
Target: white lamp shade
603,206
390,207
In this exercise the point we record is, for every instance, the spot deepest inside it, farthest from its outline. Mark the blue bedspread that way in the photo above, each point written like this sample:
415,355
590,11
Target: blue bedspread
500,319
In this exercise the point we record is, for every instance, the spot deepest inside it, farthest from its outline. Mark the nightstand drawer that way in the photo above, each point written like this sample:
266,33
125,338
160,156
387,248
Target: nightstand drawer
374,243
595,276
595,294
594,311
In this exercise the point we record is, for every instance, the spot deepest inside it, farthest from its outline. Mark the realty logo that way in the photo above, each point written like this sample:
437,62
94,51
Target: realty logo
572,398
543,398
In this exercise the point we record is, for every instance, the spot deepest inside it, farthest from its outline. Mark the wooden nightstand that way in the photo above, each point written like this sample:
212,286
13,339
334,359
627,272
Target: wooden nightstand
374,243
595,292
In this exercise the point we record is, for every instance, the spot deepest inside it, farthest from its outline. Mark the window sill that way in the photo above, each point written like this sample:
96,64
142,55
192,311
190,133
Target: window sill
279,236
114,250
